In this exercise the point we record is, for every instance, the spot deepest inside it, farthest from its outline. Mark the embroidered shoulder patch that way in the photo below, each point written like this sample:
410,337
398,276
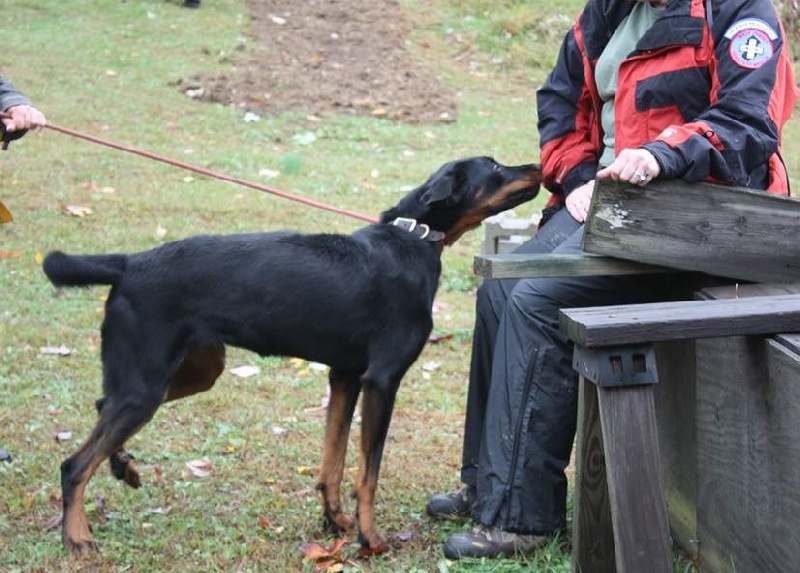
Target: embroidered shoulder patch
751,42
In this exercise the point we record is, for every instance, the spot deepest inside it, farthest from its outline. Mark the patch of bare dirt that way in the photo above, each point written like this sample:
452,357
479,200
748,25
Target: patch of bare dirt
321,56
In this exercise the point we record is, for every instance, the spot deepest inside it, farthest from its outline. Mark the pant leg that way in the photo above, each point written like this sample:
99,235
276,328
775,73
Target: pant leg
489,307
531,410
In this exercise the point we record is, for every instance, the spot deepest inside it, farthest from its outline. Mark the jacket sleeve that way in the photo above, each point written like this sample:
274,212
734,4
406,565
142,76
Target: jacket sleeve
568,136
753,93
9,96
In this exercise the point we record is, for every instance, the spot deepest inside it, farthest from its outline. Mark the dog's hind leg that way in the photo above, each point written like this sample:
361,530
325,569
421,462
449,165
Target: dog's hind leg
120,418
345,388
197,372
121,461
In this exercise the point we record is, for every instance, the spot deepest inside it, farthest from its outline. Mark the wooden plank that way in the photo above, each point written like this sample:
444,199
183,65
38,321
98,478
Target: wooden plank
724,231
532,265
748,408
748,420
635,480
678,320
592,531
676,418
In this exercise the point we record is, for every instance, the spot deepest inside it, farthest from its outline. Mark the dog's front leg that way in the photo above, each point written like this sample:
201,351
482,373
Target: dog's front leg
376,412
344,395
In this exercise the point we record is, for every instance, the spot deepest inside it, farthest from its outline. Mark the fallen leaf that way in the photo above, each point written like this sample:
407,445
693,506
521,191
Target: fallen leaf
431,366
269,173
201,468
10,254
304,138
55,350
63,436
328,559
54,522
307,471
435,338
245,371
76,210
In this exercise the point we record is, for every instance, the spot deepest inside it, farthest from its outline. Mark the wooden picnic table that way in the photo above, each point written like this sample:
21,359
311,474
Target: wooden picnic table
689,411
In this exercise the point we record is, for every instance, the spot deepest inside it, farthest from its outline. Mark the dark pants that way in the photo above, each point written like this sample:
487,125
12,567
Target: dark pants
522,399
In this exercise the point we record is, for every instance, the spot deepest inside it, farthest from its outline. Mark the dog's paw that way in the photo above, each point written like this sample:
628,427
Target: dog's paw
375,545
123,468
339,523
82,547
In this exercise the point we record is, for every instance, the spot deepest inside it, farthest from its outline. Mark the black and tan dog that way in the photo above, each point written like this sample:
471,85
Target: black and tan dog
360,304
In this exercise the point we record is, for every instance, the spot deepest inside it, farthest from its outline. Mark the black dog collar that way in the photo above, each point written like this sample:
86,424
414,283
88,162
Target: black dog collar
418,229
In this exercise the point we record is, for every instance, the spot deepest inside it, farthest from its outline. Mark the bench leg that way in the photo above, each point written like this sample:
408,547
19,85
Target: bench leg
620,515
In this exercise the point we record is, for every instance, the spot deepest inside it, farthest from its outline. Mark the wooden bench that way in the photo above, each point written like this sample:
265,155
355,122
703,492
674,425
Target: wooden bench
620,508
730,381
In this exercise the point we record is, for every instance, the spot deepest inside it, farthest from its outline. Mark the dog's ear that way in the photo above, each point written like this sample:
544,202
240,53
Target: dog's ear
440,186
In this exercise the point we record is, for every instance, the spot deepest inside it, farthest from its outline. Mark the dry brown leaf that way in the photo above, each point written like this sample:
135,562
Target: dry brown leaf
328,559
436,338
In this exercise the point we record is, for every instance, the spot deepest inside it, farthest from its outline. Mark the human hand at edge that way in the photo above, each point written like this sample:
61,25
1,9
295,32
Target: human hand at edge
22,117
636,166
578,201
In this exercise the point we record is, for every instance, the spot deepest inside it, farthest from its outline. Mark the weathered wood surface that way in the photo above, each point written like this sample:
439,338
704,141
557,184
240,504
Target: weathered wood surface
619,485
592,531
724,231
748,452
678,320
676,415
532,265
635,480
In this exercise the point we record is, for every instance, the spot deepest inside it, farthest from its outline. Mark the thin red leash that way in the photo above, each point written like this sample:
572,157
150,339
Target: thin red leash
214,174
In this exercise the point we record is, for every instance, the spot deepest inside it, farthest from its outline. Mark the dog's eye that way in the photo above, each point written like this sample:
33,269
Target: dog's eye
496,167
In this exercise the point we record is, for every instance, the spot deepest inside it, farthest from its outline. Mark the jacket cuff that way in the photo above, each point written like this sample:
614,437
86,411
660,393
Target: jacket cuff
672,164
10,101
578,176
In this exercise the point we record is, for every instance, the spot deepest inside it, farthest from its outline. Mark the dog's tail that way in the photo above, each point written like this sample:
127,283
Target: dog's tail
84,270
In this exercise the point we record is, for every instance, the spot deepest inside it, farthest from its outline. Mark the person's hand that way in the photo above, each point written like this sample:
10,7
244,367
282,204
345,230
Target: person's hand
22,117
637,166
578,201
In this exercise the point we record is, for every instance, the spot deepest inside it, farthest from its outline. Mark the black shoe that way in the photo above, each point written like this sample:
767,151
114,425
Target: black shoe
191,3
490,541
453,505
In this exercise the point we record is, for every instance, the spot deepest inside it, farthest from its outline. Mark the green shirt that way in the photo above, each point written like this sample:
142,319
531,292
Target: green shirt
622,43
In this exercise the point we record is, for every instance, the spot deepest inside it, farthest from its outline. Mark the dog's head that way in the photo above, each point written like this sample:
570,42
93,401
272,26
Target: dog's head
462,193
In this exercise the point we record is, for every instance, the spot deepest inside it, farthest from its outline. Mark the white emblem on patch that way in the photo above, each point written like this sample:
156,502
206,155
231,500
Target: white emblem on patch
751,42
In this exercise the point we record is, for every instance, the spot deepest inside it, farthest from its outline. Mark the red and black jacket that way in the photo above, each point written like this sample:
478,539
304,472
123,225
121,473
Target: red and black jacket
706,91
